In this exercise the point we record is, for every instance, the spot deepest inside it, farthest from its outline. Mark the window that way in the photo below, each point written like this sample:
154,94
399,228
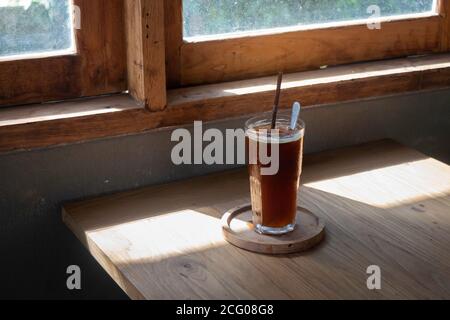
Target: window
204,17
44,58
159,53
33,27
217,41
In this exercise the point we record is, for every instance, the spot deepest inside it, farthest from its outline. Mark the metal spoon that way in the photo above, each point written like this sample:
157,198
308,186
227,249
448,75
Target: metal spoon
296,108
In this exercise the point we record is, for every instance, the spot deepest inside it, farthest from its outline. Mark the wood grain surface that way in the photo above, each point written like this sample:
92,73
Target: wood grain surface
39,125
173,14
342,83
383,204
255,56
146,57
444,10
239,230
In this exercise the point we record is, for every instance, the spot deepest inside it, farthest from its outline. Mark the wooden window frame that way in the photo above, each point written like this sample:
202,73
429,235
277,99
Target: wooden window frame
149,63
230,59
98,67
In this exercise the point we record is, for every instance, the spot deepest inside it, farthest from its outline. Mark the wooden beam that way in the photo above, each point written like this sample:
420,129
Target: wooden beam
144,20
103,53
335,84
37,126
444,12
135,54
54,124
232,59
174,41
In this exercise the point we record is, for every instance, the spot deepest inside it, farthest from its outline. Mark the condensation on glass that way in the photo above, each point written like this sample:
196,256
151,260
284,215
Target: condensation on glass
35,27
206,17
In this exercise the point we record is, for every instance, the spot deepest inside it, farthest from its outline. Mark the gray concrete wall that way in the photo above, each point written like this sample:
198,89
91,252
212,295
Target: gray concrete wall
35,246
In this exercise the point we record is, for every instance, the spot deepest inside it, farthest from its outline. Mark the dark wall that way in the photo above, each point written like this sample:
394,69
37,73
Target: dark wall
36,247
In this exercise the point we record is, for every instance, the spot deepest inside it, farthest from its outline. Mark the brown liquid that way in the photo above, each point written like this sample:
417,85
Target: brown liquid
274,197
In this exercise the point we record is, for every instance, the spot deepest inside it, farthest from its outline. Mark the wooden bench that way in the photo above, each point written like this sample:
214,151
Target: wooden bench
383,204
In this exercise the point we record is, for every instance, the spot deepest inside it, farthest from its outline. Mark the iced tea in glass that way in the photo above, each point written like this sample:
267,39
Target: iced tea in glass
274,196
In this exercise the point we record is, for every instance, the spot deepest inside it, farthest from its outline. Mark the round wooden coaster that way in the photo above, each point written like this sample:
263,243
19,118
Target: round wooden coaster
238,229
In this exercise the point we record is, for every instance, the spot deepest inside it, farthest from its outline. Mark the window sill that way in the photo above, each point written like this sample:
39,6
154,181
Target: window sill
38,126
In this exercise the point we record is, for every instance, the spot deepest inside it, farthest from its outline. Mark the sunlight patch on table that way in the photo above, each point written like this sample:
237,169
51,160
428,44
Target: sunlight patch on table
383,189
160,237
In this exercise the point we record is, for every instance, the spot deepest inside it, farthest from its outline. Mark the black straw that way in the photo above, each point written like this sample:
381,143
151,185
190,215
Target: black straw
277,100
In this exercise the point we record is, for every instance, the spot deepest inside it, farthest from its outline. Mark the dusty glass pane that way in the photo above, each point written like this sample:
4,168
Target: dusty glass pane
206,17
34,26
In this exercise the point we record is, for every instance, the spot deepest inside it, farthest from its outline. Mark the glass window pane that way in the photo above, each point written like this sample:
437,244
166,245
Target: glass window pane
206,17
35,26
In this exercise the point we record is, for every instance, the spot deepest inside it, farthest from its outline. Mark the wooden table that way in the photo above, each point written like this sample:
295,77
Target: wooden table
383,205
